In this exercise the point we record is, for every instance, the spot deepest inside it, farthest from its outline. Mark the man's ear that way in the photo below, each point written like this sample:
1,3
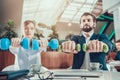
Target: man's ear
94,25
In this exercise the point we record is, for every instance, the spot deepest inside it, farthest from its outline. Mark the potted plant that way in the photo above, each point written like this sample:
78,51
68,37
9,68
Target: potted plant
7,31
54,34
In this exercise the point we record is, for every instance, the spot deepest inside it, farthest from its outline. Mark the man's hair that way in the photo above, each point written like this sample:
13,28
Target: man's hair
86,14
118,41
29,21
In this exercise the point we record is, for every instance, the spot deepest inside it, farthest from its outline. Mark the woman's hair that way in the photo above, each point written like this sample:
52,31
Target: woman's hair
29,21
86,14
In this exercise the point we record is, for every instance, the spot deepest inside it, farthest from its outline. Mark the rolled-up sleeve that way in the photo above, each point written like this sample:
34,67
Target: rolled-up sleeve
13,50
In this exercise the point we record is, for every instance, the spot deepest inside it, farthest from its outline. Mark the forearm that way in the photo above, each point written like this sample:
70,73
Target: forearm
104,39
43,49
14,50
109,44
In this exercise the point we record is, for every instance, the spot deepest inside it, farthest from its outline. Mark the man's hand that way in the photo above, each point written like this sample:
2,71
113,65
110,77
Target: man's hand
95,46
69,46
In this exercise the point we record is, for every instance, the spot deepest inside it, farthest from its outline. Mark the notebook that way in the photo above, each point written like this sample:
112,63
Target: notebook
12,75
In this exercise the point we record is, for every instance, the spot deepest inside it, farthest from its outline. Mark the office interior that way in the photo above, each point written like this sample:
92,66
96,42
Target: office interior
64,16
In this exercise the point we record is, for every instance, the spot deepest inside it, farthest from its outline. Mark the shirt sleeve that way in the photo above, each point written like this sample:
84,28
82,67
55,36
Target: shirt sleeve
74,38
43,49
13,50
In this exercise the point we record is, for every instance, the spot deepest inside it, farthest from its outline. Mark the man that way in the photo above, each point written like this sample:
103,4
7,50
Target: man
24,58
94,41
117,57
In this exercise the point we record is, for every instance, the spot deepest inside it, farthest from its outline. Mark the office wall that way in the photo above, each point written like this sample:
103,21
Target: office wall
11,9
63,29
112,4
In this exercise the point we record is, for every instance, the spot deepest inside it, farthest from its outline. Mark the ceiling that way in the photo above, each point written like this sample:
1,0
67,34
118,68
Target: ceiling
49,12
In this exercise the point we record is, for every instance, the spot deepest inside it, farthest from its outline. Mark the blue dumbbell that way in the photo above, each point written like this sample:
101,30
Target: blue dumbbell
25,43
5,43
53,44
35,44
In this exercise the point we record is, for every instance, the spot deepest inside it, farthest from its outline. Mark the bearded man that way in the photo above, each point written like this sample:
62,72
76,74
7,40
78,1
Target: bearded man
95,43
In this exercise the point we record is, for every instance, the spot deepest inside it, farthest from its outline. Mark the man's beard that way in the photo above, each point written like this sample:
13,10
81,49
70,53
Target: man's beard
87,29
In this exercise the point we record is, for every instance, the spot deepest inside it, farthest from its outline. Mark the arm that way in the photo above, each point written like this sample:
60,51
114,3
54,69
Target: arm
43,44
69,46
15,45
13,50
98,44
104,39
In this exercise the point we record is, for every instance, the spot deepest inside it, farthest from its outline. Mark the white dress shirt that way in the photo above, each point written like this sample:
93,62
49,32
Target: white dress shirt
24,58
86,61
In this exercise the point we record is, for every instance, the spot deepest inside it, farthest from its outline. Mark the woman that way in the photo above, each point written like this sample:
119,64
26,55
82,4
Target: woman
24,58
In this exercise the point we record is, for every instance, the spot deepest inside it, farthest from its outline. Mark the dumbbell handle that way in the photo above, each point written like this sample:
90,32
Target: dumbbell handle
85,48
54,44
105,48
5,43
26,43
78,48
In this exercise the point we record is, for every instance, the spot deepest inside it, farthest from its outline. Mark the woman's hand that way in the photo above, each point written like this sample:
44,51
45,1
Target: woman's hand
15,42
43,43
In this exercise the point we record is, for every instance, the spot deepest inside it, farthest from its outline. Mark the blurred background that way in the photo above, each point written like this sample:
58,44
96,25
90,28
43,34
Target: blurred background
60,18
56,19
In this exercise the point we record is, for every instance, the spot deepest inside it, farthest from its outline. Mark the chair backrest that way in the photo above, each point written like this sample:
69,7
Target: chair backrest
56,60
6,59
111,56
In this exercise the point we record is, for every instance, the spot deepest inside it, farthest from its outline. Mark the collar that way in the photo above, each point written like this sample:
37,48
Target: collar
89,34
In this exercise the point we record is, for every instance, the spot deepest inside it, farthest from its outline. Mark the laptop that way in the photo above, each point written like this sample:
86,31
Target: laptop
76,73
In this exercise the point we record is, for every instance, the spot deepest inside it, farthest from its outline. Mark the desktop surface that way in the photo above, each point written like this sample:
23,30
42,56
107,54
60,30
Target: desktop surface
78,74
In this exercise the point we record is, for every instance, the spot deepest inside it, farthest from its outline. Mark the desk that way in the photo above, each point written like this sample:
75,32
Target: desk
49,59
65,74
114,65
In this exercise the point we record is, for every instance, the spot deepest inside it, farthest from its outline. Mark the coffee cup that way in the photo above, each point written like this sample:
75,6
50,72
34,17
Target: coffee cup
95,66
35,68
